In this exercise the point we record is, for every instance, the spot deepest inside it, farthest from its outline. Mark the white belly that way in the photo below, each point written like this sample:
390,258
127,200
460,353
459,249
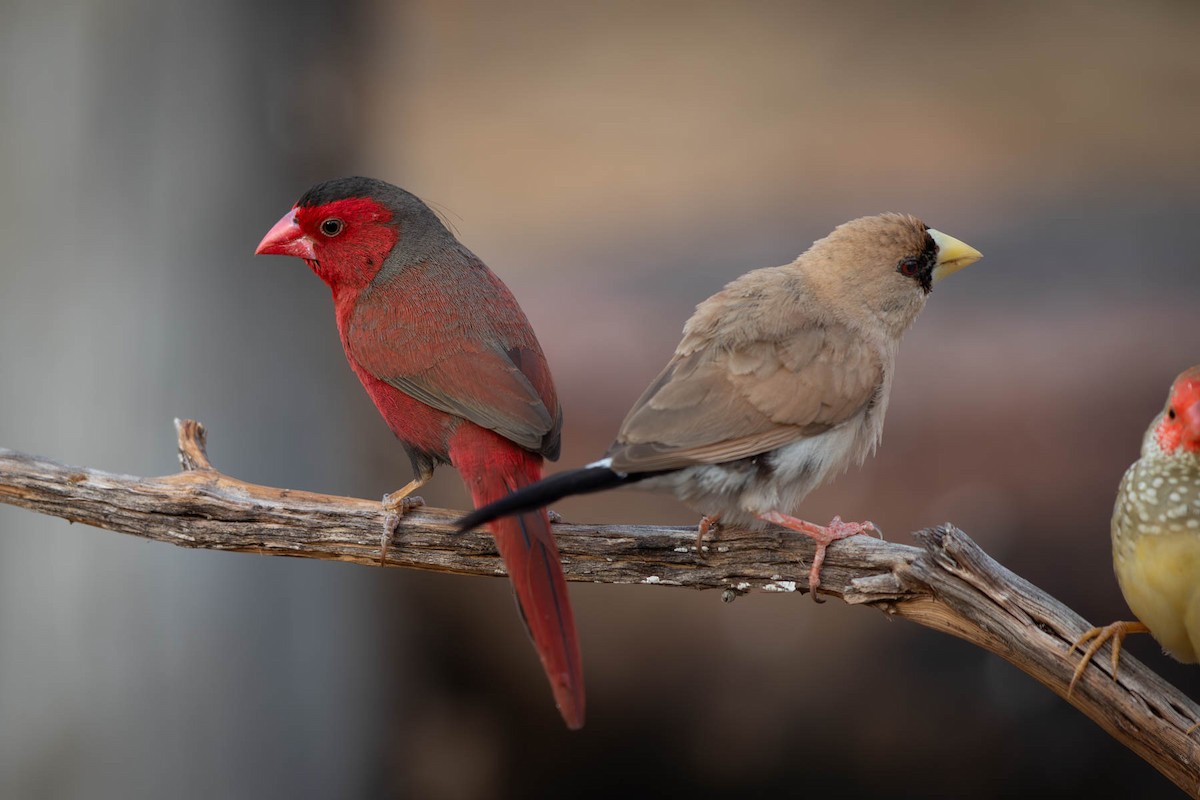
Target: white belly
775,481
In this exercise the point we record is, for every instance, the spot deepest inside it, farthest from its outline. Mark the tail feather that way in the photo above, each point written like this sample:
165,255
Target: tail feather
492,467
546,491
531,557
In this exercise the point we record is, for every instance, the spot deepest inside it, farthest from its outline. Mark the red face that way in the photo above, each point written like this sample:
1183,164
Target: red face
1179,428
344,242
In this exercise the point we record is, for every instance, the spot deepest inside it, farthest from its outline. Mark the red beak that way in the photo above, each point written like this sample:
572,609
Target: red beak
286,239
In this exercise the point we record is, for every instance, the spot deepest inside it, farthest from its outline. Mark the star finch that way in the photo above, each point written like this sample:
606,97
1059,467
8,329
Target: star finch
453,366
1156,534
781,380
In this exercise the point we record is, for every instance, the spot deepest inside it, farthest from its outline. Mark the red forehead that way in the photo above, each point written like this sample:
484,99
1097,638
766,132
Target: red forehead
1187,385
1178,426
350,209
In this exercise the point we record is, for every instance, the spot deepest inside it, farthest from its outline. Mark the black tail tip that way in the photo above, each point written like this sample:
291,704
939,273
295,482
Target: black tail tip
473,520
545,492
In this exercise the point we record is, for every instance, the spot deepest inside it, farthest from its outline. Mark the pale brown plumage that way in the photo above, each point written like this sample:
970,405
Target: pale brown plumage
732,393
781,379
779,354
790,366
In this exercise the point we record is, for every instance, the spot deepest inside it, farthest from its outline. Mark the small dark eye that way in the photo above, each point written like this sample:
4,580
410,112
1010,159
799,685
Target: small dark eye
332,226
909,267
1171,413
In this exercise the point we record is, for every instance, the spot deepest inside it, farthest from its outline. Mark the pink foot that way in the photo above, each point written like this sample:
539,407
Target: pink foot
822,536
708,524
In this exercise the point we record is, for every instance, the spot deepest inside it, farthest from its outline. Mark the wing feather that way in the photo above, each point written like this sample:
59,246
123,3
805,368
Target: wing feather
713,404
463,347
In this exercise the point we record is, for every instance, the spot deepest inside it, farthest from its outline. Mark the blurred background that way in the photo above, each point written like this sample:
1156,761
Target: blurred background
615,165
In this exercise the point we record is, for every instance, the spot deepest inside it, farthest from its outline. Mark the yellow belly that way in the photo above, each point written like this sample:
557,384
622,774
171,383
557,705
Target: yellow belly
1160,578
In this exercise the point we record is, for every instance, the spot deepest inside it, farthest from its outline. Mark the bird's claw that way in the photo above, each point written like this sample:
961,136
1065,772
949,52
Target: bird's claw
394,508
871,527
553,516
709,523
1116,631
402,504
822,536
836,529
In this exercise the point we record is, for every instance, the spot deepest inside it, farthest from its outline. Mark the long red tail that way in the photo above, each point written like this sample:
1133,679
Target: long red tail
492,466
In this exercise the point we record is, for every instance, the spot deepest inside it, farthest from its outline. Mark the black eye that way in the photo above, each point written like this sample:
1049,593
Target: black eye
332,226
1171,413
909,267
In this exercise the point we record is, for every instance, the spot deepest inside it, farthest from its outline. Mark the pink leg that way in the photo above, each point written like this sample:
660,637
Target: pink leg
822,536
708,524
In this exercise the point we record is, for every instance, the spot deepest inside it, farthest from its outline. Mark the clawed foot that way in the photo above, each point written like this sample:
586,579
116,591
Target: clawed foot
1117,632
823,536
395,506
709,523
553,516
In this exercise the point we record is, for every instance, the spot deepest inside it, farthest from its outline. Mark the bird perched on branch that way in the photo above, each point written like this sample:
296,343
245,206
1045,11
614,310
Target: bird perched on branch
453,366
781,380
1156,535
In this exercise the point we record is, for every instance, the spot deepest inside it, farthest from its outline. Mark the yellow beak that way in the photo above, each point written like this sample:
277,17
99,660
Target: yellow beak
953,255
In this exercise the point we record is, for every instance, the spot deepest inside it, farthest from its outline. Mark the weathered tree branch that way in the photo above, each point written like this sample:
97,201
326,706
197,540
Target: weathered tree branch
947,583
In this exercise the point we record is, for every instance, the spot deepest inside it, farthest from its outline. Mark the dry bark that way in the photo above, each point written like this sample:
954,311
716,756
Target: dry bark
946,583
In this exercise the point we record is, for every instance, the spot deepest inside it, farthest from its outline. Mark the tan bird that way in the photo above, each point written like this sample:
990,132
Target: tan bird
1156,535
781,380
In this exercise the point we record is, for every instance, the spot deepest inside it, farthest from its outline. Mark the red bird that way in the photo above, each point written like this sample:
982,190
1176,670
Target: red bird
452,364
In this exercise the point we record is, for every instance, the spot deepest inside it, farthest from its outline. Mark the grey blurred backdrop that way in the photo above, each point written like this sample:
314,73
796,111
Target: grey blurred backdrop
615,165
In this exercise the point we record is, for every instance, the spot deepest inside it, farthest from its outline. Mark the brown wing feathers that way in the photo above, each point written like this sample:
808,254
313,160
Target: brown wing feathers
719,404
